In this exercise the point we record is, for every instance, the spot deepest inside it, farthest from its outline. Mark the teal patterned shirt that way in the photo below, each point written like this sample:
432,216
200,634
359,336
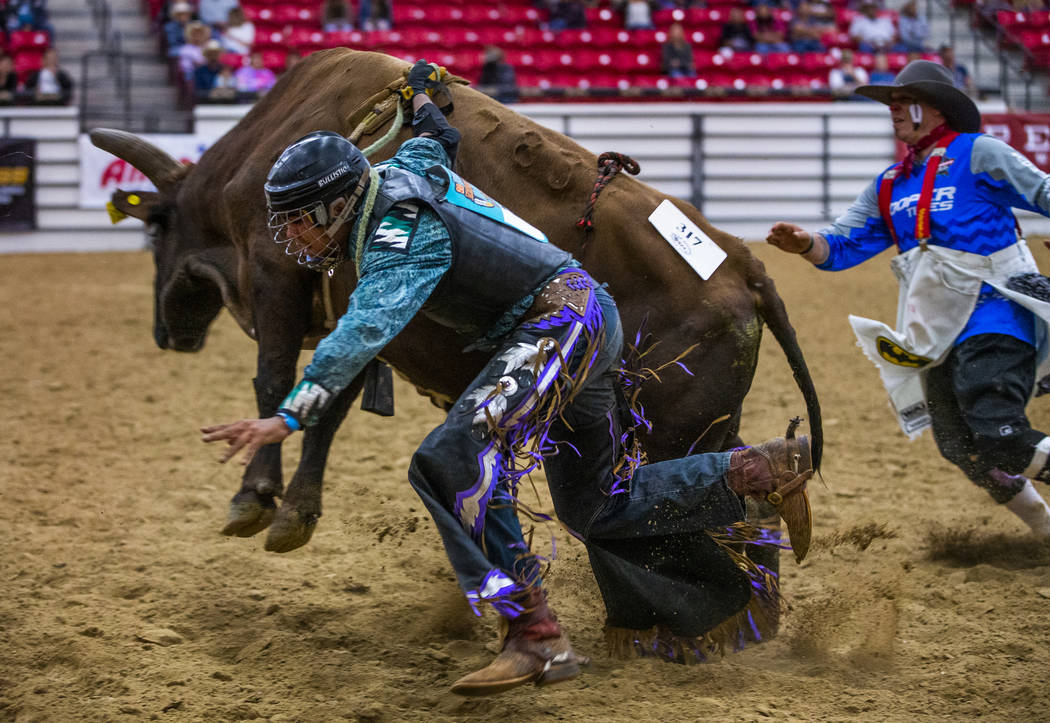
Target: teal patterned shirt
404,259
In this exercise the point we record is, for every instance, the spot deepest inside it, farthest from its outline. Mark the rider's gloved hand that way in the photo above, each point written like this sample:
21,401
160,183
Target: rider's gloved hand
422,77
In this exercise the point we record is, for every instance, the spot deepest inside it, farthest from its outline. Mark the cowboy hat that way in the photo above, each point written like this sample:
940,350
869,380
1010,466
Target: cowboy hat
932,83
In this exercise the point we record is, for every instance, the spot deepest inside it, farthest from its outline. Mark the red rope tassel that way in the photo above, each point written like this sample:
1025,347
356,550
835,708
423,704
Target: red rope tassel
609,164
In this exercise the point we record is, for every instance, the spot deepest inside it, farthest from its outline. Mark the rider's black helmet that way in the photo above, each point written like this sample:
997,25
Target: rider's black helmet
312,172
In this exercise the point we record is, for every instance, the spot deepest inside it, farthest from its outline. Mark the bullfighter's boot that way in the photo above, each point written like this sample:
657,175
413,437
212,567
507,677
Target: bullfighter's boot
535,650
777,471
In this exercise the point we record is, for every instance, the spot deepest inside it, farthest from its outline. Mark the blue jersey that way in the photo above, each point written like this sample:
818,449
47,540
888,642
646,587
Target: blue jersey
978,181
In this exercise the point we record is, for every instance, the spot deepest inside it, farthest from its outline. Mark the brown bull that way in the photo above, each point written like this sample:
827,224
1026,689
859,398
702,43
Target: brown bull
212,249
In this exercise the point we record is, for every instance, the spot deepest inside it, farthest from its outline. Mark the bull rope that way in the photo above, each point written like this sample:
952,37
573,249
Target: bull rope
609,164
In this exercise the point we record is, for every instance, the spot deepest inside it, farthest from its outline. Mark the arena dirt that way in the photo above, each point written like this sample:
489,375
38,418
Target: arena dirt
120,600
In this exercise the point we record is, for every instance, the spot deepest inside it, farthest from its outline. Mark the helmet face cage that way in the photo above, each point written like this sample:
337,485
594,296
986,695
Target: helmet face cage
296,229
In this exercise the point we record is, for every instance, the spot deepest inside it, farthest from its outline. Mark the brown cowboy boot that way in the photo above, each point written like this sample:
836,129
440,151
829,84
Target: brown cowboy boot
535,650
777,471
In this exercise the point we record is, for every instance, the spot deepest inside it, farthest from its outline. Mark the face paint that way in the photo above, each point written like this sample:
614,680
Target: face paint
915,111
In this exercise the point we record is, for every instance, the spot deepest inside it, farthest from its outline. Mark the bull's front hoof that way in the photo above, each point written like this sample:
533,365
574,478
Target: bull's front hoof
291,529
250,513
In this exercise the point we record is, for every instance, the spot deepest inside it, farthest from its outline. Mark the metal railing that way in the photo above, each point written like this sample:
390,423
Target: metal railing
995,40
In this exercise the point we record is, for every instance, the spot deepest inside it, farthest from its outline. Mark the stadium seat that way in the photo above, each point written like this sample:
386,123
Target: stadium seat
274,59
232,60
20,40
704,37
306,41
344,39
598,17
305,15
404,14
26,62
258,13
273,40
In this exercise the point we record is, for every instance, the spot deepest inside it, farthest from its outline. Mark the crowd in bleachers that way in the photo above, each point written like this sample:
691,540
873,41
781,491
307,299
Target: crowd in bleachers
30,72
225,49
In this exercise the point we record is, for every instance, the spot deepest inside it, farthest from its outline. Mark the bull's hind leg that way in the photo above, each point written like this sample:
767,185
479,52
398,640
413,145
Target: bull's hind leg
301,507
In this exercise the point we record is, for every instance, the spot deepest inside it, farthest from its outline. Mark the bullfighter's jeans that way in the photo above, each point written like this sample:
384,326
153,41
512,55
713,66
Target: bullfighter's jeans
462,474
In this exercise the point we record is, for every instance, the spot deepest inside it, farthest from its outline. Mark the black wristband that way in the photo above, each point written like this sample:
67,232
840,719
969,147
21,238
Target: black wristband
809,248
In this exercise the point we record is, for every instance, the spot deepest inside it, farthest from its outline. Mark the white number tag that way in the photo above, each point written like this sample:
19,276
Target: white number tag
692,244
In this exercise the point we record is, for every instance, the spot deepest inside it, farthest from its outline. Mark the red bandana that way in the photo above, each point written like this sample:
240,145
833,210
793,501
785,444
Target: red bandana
925,142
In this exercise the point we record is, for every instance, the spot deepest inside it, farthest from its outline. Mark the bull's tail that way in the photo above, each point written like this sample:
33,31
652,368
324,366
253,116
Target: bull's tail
774,314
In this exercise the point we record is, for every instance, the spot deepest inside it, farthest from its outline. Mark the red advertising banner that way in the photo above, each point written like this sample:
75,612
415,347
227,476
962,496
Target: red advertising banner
1028,133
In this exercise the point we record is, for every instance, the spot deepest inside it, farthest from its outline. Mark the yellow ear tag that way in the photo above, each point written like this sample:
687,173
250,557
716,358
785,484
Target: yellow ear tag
115,214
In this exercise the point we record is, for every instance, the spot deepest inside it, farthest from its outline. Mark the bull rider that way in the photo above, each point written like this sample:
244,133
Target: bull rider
422,240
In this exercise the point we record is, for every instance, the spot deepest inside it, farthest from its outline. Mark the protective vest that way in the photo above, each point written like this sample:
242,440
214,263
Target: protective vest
497,258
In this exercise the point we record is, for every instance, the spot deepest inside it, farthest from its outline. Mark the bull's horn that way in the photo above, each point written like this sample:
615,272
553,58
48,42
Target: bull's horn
159,167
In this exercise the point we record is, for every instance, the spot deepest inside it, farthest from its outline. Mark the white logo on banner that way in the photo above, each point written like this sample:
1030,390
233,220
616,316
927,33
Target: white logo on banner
102,173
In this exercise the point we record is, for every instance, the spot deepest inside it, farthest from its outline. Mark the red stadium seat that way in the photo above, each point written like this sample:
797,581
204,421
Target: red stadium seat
1011,20
897,60
644,62
744,63
665,16
275,60
703,38
445,15
404,14
273,40
818,61
306,41
481,14
27,61
305,15
521,59
232,60
598,17
587,61
27,40
344,39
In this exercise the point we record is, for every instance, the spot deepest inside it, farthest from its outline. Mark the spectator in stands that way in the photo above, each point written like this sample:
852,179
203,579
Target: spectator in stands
566,15
960,73
28,15
255,77
214,13
676,54
292,58
225,85
769,30
51,84
637,15
191,53
8,79
204,75
175,29
807,30
375,15
912,29
497,77
736,33
871,31
336,16
239,35
880,70
846,77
